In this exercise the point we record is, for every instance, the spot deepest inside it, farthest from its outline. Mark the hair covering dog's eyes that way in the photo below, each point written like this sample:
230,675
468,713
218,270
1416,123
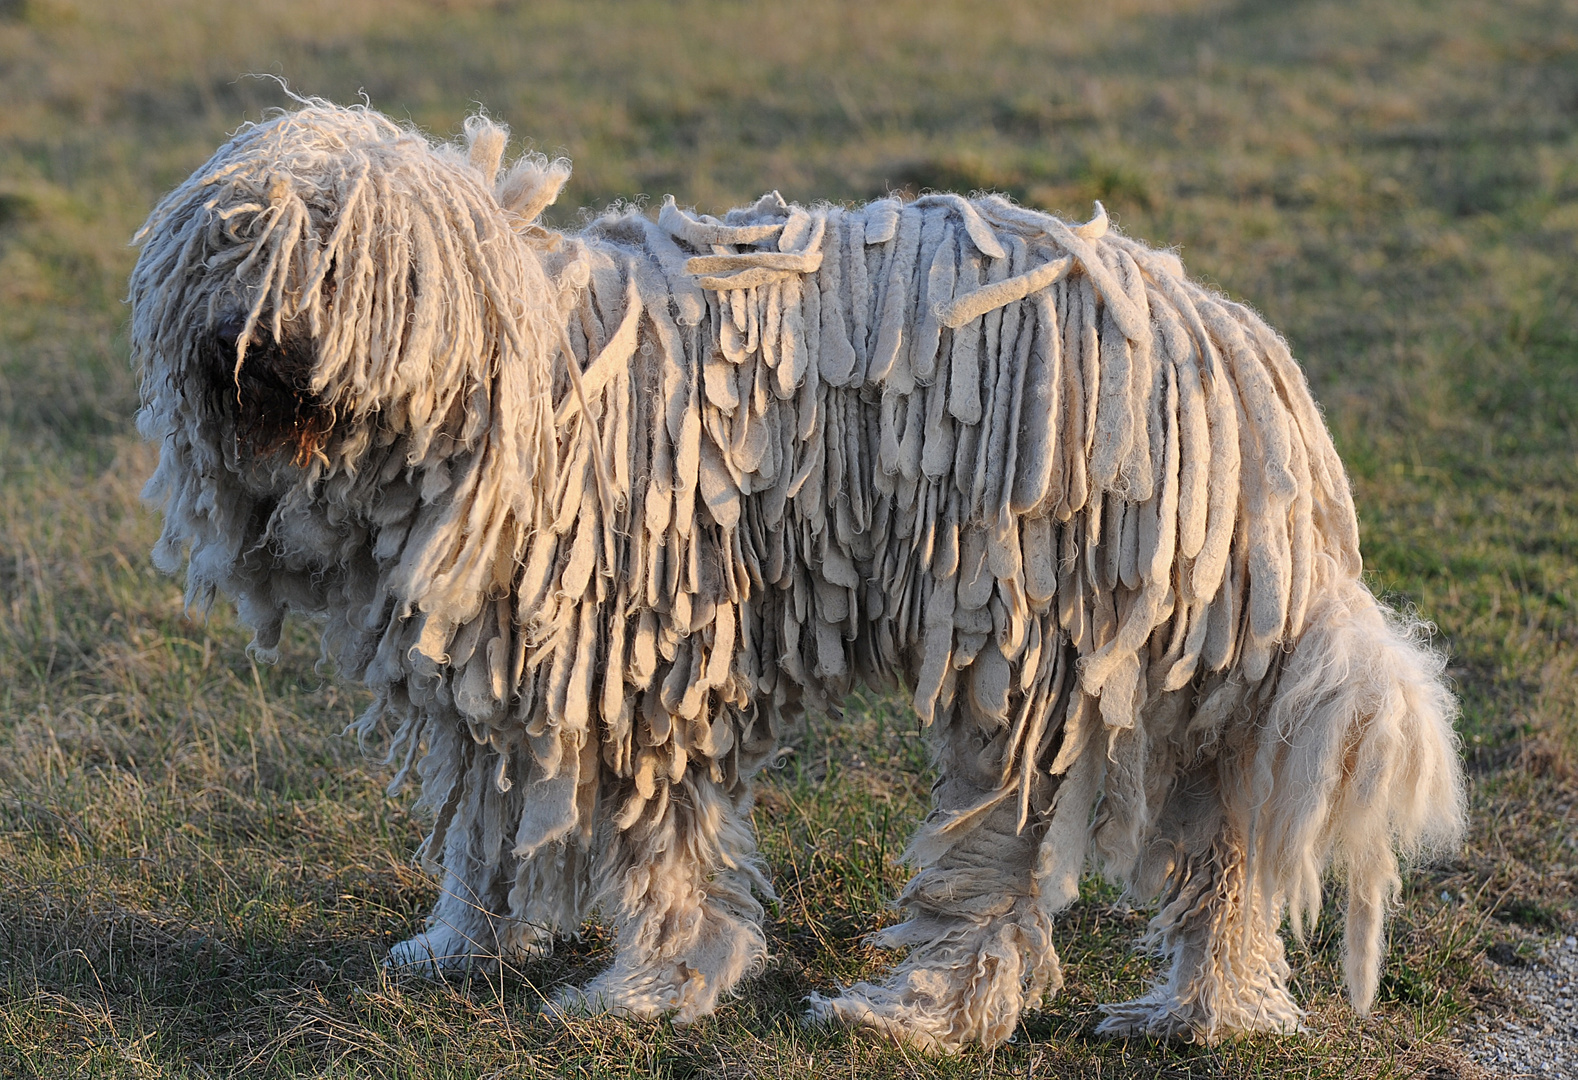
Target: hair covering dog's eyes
592,513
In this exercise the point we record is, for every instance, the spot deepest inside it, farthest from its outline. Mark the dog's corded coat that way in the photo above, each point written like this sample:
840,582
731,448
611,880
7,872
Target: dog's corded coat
591,513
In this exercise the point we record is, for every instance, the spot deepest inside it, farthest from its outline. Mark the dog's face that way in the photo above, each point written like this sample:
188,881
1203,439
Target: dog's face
330,308
237,277
264,392
328,276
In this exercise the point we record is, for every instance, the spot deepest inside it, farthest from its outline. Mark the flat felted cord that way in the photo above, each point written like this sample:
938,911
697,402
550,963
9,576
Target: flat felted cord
805,341
592,513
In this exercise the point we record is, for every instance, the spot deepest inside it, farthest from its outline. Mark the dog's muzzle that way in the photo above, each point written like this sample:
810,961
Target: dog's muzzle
267,395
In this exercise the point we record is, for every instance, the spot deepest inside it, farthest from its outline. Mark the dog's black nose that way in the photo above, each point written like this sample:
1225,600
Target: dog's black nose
229,330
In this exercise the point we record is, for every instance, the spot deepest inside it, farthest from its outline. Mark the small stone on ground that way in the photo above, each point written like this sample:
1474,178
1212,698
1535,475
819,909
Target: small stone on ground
1540,1036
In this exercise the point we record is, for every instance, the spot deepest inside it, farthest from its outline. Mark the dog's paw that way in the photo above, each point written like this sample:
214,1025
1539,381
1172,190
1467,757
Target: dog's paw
445,950
880,1013
674,990
432,954
964,983
1150,1018
1158,1016
592,1000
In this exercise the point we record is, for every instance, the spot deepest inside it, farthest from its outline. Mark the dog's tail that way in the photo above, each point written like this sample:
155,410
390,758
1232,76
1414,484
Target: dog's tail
1356,763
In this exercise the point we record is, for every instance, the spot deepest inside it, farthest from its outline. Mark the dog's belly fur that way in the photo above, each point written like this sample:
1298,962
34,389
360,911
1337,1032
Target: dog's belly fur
592,514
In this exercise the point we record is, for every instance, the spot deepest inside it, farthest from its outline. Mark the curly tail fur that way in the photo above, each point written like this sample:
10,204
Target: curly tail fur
1357,761
1347,760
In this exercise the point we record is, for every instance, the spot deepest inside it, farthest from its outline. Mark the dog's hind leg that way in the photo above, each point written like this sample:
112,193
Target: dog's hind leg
1215,922
1345,755
1228,973
681,883
980,936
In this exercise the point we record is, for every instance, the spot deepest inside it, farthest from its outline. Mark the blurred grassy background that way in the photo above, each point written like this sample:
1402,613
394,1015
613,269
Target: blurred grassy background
197,877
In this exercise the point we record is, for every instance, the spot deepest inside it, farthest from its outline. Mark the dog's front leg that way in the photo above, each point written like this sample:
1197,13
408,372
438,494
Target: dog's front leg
494,905
679,874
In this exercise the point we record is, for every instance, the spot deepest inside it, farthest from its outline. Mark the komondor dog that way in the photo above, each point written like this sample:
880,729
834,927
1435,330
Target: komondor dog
593,514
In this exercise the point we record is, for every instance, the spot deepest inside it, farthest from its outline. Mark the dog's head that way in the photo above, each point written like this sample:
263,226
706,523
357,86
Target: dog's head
331,306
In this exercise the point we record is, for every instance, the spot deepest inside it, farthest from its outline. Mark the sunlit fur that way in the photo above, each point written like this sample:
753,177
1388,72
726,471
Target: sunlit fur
591,514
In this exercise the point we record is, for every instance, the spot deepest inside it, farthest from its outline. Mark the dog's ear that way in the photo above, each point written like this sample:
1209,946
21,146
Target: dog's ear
485,143
531,185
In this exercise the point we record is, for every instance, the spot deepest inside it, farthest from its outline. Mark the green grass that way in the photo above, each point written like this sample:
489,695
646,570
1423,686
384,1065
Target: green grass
198,875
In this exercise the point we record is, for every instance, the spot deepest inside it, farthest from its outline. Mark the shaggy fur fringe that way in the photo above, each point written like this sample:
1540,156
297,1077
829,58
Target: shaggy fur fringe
592,513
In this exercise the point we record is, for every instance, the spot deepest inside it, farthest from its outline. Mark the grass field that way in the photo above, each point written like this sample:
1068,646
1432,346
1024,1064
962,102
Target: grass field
198,876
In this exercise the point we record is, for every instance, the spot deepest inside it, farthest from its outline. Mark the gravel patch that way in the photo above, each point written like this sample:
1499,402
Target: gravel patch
1539,1037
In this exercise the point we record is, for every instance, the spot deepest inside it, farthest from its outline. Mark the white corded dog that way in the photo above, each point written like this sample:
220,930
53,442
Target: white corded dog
592,513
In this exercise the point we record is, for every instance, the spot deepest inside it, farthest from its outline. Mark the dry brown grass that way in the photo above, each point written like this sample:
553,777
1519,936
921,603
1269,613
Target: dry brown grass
198,876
